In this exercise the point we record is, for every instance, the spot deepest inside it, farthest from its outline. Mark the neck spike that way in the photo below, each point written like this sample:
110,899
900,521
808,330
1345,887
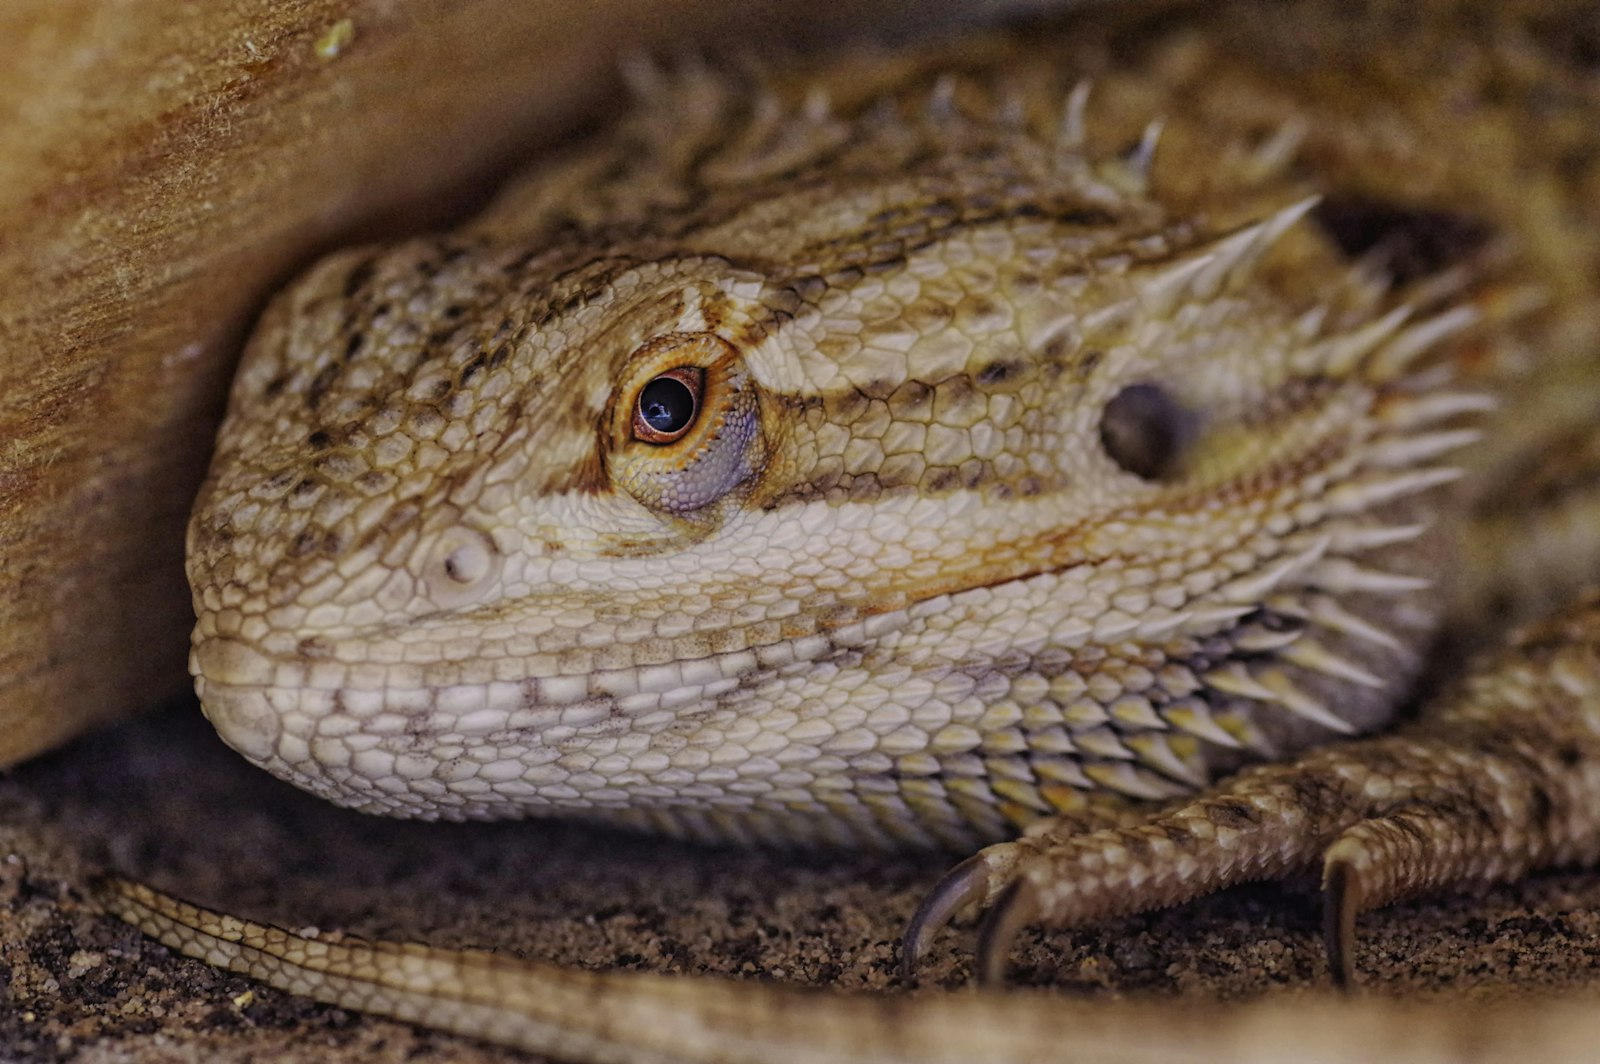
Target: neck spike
1203,272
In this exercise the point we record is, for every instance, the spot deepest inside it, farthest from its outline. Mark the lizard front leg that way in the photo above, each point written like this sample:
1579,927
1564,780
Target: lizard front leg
1498,778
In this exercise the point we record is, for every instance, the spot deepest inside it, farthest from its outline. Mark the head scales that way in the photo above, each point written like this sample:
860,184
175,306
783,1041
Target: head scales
924,602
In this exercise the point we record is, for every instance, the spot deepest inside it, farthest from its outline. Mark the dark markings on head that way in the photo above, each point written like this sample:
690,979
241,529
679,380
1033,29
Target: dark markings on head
358,277
1056,356
325,542
580,284
875,402
998,371
441,337
318,388
889,242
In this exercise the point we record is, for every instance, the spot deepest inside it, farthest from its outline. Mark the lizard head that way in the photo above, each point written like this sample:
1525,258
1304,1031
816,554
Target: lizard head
898,507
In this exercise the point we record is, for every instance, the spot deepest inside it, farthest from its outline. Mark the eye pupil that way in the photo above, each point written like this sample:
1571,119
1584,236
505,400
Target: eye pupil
667,406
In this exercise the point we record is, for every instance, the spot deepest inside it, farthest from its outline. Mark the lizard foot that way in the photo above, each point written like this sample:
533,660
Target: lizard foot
1500,777
983,878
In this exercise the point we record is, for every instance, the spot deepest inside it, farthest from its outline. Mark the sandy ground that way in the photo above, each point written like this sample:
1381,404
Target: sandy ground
162,799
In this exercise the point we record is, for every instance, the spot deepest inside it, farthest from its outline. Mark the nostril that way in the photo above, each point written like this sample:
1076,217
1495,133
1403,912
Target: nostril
468,563
461,564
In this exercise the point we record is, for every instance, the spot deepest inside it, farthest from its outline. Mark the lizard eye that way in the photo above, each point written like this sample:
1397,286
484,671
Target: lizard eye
690,391
667,406
1146,432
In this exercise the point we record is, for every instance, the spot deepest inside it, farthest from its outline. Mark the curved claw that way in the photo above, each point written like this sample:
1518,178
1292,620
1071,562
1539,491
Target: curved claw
1015,908
1341,901
964,884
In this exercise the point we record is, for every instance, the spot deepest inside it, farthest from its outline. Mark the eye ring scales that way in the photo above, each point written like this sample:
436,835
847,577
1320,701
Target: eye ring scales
668,405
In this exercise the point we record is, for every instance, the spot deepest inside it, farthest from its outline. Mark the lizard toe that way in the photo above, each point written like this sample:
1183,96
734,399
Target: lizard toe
981,881
965,884
1443,843
1067,876
984,877
1015,908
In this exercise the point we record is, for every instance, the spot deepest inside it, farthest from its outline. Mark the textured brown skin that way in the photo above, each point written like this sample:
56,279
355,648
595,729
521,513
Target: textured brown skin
158,177
1523,720
1498,776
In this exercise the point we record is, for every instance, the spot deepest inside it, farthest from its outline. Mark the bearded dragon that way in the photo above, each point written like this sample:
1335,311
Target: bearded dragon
1090,431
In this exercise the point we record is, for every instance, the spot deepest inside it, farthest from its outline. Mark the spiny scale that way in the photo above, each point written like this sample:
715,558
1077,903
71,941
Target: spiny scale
1343,356
1199,277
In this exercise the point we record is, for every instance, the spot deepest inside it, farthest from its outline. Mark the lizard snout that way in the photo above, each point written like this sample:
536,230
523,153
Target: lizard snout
231,679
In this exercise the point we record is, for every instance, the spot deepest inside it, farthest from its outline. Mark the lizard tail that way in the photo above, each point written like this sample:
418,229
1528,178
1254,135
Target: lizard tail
610,1017
645,1018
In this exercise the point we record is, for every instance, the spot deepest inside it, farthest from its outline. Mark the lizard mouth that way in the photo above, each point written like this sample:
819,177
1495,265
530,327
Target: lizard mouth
234,684
232,679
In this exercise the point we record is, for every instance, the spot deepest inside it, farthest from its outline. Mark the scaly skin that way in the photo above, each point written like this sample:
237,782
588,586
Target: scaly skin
1042,463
